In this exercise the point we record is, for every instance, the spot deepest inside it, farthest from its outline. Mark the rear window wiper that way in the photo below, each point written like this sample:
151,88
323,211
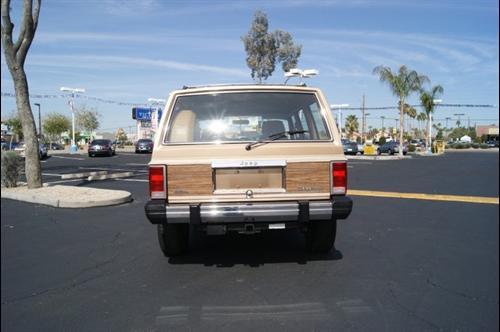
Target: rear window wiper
274,137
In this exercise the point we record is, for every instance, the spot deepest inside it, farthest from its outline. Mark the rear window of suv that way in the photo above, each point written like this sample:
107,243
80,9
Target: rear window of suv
246,117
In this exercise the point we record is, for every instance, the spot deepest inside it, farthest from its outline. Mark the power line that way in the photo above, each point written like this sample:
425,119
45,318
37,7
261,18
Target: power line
65,96
49,96
437,105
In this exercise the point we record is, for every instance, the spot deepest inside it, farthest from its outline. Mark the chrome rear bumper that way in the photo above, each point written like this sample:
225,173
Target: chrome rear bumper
158,211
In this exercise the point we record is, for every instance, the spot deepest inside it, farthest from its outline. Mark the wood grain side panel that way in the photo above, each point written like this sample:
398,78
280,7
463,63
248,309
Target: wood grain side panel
308,177
189,180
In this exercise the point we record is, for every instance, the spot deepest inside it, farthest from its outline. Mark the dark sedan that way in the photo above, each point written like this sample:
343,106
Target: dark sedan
350,147
391,148
101,147
144,145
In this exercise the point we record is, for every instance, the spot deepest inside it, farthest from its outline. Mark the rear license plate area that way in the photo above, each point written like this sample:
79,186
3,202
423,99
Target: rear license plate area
242,179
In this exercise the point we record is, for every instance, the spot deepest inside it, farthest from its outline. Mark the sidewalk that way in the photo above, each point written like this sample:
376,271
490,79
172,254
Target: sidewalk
67,196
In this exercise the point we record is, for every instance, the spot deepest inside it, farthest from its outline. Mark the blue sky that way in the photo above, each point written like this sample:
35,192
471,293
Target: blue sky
128,51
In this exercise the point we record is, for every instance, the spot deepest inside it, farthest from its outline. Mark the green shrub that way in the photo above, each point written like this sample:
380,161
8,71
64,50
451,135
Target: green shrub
475,145
411,148
382,140
458,146
483,146
12,165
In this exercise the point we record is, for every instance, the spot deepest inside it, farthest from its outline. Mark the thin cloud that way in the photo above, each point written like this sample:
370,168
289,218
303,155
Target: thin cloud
98,61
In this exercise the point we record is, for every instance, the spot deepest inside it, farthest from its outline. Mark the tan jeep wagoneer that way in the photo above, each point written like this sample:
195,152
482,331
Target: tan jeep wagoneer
247,158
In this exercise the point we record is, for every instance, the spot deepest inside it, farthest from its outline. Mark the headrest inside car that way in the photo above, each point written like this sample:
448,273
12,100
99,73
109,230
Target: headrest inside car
183,127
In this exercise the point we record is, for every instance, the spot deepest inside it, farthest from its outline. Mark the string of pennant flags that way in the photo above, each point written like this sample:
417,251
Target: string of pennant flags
121,103
76,96
437,105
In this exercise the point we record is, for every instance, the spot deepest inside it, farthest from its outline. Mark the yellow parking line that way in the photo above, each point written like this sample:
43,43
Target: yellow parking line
431,197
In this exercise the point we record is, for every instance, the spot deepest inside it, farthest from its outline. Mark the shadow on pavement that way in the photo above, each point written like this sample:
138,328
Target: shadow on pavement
251,250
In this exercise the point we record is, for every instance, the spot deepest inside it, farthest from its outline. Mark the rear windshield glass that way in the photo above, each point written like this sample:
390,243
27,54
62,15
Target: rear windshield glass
100,141
246,117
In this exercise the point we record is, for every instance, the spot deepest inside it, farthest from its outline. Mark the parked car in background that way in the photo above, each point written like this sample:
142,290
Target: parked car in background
54,146
20,149
492,144
8,145
361,149
101,147
391,148
350,147
144,145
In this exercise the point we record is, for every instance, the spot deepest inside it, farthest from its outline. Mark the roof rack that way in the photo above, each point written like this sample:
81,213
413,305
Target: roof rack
184,87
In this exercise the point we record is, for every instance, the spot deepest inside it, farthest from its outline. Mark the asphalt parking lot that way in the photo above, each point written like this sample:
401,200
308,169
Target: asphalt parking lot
399,264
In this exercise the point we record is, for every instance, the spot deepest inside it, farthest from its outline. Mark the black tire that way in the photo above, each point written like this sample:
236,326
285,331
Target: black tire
390,152
173,239
91,155
320,236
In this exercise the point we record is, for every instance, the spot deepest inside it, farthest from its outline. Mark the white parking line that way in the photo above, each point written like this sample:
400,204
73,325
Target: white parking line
112,169
72,158
132,180
63,181
51,174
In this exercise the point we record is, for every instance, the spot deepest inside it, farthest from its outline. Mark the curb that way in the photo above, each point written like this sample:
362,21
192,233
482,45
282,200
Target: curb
68,196
364,157
110,176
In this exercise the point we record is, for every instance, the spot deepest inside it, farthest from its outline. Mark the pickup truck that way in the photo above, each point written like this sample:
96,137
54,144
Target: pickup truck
247,159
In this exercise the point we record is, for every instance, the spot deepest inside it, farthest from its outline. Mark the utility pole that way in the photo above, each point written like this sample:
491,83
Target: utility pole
383,118
364,121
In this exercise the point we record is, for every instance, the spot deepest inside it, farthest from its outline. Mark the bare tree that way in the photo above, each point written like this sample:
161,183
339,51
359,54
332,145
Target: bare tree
15,56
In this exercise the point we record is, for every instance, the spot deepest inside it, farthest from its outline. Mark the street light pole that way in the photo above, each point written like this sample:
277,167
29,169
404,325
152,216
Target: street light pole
73,148
156,102
339,121
39,121
363,117
458,114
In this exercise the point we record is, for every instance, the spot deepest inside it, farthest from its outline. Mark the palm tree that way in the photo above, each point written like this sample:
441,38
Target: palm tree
427,99
402,84
421,117
351,125
409,111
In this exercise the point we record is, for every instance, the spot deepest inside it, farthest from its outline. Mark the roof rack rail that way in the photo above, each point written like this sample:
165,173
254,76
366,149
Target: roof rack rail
185,87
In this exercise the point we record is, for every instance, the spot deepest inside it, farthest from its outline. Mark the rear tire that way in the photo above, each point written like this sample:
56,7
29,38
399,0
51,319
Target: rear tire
390,152
320,236
173,239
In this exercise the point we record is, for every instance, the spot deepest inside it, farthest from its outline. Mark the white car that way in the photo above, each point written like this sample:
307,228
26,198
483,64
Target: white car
361,148
21,147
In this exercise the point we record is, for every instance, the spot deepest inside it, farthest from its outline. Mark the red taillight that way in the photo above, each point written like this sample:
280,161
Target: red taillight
339,178
157,186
